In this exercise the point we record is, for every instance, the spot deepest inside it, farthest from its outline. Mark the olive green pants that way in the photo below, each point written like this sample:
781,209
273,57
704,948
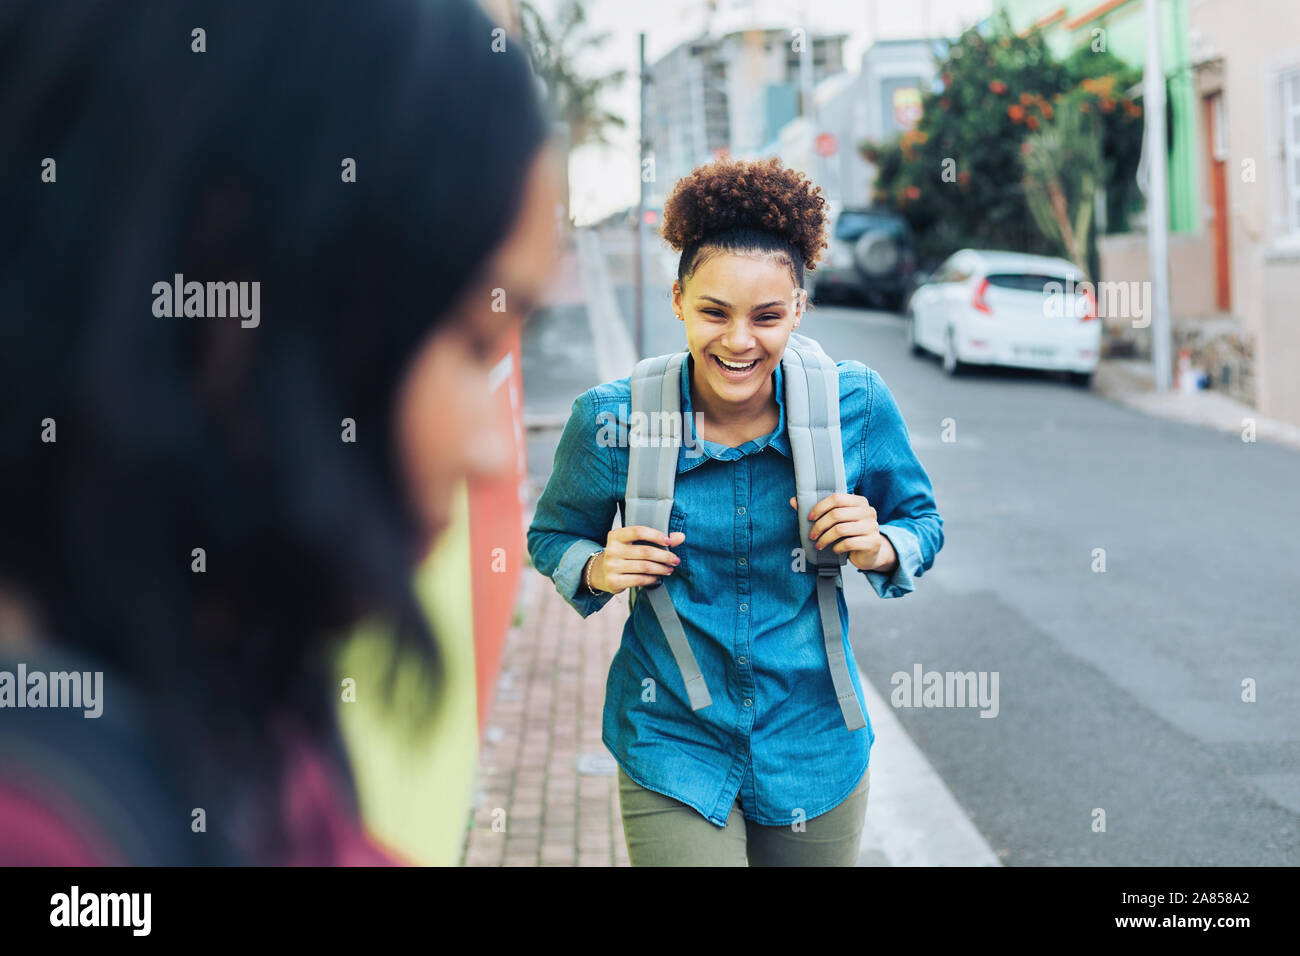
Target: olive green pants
661,831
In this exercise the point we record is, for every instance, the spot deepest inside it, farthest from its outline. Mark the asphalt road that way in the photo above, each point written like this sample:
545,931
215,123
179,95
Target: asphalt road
1120,691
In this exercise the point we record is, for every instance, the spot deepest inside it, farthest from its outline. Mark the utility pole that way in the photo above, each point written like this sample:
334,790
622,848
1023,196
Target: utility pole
806,69
1153,82
807,85
638,307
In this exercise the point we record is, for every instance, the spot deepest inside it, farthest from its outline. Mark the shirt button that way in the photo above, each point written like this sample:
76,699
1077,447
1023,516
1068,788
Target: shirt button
748,702
740,511
741,660
744,607
743,562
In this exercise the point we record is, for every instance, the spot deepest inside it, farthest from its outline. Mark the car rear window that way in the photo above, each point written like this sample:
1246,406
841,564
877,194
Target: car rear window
851,225
1028,282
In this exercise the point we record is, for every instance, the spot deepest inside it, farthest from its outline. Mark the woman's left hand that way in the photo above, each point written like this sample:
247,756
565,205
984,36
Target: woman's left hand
847,523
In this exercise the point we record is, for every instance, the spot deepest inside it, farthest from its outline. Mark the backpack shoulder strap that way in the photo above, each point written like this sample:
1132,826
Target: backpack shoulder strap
655,437
652,456
812,414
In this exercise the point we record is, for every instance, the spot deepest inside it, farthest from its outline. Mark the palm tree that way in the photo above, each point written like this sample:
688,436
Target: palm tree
1062,173
555,46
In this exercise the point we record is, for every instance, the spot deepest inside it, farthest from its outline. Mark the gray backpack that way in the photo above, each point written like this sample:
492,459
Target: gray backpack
812,414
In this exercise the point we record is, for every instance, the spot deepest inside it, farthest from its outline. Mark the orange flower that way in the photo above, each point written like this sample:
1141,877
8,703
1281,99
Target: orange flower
913,192
997,86
1026,99
1031,122
1107,104
1046,109
1016,113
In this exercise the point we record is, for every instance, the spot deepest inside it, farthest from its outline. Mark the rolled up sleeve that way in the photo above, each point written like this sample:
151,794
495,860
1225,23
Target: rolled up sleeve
577,508
897,486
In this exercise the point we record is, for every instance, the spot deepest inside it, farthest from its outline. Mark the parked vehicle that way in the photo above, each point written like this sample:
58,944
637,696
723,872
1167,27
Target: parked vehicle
872,256
984,307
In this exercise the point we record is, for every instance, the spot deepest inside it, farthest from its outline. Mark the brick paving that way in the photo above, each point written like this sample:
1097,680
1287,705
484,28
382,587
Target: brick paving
535,805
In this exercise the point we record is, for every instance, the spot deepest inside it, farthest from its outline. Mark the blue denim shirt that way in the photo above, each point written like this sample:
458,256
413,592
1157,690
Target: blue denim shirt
774,734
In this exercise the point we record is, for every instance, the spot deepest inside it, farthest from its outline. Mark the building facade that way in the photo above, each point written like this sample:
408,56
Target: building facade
1246,80
730,93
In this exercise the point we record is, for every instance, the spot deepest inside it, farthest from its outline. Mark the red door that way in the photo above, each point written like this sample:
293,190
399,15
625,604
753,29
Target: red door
1216,135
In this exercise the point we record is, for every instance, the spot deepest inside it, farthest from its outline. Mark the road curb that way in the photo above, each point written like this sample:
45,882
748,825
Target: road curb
615,355
912,817
1130,384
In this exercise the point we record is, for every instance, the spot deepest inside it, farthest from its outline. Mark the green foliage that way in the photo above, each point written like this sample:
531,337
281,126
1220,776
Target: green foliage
959,177
1121,127
1062,167
556,44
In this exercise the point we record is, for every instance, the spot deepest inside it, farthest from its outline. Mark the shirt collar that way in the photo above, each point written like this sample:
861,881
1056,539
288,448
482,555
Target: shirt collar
702,449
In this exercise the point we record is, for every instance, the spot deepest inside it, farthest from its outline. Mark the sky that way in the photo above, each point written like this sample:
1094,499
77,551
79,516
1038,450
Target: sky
604,179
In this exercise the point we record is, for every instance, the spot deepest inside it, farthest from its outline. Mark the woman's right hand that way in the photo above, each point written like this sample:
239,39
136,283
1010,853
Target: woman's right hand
627,562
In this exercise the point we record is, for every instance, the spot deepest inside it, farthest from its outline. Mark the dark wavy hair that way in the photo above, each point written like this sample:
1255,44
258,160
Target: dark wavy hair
177,433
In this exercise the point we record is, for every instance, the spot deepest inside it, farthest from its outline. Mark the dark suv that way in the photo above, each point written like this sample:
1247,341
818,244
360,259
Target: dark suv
871,257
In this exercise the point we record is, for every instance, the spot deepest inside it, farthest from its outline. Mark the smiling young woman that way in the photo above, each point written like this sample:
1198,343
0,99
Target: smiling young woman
767,772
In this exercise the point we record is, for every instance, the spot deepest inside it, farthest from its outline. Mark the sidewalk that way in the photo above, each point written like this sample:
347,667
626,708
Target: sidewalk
548,787
1131,382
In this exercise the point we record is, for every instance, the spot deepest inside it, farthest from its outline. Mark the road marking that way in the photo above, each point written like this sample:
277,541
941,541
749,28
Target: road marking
912,817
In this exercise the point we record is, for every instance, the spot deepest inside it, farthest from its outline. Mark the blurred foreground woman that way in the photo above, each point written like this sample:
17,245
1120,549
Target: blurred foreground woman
249,258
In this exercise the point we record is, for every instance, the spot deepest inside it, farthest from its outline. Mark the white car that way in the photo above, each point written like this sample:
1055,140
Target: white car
1007,308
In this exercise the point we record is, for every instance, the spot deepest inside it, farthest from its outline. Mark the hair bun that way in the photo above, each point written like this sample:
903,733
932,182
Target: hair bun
756,194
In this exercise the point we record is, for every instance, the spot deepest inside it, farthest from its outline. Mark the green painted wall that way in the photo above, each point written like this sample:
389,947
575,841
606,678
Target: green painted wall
1125,36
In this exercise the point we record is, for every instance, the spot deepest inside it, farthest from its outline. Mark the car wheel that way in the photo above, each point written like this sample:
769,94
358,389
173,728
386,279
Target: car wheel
876,254
912,343
1082,379
951,364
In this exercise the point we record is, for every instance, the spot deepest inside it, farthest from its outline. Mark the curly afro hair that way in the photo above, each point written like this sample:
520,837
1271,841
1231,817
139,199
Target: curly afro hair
744,206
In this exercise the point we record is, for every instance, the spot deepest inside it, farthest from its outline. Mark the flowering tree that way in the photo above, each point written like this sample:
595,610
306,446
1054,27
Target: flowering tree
959,176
